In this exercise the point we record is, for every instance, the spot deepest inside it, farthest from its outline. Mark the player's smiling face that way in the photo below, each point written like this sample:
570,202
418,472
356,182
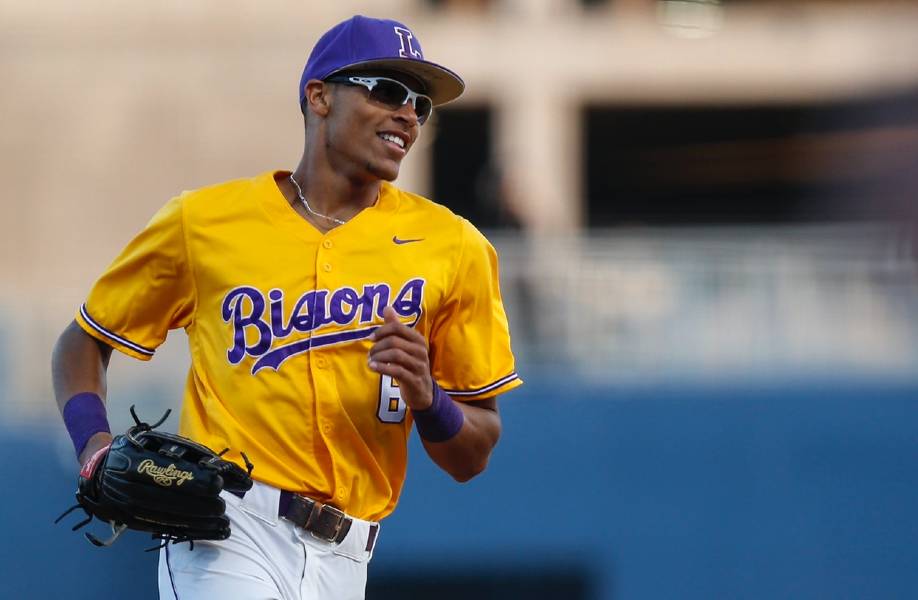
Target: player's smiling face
368,137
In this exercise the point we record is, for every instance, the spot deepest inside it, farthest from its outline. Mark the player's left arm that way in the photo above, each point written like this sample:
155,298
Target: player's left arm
466,455
402,353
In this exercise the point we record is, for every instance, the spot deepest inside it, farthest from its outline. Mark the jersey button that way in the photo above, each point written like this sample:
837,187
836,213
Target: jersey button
321,362
342,493
326,267
327,427
327,244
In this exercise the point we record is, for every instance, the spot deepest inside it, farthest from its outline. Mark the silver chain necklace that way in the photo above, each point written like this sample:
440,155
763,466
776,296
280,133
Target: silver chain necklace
299,193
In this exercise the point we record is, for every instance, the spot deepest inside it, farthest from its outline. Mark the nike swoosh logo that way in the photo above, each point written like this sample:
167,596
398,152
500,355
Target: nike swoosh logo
398,241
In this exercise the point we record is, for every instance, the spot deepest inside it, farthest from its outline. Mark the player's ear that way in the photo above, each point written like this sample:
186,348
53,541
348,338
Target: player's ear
317,97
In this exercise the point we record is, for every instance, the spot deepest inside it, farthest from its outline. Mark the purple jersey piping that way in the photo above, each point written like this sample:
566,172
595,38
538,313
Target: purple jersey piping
491,386
112,335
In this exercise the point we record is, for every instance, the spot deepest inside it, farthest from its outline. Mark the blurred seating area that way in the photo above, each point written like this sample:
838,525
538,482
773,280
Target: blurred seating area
715,304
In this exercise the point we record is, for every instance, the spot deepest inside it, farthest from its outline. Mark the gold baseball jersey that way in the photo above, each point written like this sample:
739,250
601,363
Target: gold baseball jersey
278,317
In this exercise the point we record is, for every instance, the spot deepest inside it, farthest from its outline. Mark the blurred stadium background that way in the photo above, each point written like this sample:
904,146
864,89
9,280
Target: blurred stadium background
706,216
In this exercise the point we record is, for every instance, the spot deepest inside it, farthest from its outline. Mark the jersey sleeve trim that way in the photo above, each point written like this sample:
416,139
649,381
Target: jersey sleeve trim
111,335
488,388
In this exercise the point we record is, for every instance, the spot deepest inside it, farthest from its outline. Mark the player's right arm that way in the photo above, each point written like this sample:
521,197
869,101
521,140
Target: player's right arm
144,293
79,364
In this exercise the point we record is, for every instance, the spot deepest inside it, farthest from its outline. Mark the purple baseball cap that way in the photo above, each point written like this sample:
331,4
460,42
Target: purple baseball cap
367,43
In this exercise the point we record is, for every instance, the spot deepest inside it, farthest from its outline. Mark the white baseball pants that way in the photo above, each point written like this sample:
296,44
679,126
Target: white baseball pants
266,558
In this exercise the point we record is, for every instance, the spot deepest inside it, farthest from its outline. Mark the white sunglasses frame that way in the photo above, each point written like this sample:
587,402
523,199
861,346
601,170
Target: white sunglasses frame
370,83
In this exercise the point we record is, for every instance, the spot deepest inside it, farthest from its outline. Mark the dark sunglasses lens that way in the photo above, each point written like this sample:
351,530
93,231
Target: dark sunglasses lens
423,109
389,93
393,95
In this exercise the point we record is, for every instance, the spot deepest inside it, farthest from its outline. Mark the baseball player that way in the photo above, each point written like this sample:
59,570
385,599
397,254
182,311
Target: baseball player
327,311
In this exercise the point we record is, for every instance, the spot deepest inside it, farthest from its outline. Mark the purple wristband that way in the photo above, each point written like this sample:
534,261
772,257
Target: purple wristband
84,416
442,420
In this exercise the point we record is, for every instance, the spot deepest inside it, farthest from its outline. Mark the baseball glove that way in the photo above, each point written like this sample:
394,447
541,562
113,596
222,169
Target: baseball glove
160,483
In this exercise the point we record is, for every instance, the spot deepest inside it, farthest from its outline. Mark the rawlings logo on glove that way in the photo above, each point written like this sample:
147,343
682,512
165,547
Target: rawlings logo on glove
160,483
164,477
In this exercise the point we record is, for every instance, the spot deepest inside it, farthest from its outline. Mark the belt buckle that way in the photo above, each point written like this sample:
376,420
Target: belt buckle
317,511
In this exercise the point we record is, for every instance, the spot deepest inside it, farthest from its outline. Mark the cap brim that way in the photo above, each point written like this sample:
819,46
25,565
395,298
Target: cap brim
442,85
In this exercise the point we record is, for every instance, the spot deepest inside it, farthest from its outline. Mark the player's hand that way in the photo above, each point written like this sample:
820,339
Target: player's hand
401,352
98,441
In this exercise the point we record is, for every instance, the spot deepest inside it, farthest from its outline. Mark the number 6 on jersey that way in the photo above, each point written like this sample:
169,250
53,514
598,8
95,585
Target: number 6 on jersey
391,406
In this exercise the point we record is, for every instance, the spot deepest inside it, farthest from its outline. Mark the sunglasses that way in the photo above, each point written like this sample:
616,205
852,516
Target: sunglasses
390,93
